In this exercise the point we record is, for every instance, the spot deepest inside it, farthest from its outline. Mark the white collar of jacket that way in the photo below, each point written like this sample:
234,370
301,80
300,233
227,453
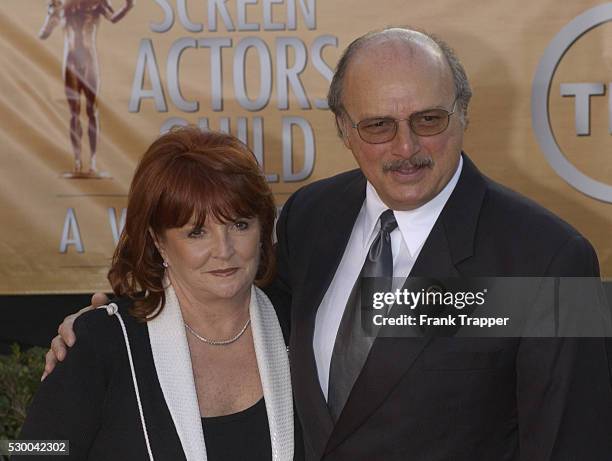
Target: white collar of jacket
173,366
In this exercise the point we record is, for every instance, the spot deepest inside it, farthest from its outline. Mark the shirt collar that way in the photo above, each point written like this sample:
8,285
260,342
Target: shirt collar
414,225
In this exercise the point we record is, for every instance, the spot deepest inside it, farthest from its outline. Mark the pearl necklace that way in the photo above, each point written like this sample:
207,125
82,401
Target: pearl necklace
218,342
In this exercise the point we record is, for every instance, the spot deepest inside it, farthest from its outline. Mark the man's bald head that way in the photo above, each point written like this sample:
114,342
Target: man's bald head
400,43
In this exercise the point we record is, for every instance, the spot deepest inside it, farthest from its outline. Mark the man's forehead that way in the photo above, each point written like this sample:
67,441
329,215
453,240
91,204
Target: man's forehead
398,65
388,83
399,51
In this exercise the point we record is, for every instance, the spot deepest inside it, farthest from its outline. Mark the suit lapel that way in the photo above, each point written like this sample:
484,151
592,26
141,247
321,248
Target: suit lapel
273,365
335,227
449,243
173,365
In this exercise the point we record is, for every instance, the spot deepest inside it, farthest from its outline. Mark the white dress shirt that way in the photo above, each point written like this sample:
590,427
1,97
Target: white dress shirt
407,240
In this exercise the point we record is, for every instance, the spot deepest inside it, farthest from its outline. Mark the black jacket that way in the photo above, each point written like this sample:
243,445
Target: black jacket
447,399
89,399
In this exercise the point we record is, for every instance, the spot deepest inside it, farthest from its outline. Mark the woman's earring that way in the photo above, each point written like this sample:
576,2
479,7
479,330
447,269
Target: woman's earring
165,264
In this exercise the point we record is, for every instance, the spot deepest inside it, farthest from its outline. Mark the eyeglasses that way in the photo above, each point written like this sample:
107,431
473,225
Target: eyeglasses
383,129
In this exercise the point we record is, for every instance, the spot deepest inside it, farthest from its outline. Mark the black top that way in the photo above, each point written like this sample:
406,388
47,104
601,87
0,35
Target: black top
242,435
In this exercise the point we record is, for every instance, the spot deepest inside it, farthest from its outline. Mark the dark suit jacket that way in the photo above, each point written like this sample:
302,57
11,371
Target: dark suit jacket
446,399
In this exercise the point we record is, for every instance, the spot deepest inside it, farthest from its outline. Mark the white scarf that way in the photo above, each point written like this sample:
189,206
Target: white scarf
173,365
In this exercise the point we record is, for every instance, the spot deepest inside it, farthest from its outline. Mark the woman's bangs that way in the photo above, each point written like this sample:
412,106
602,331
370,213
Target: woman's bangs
196,195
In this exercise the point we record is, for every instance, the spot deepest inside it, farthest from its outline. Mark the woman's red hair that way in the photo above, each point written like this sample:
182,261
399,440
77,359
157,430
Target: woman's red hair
187,173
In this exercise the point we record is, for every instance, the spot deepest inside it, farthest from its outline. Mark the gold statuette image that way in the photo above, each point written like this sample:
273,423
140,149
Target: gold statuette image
80,20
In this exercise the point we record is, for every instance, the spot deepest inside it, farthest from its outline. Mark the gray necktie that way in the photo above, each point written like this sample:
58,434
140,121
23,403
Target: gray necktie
353,344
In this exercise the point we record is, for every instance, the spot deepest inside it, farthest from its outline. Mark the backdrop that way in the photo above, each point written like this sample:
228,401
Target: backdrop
83,76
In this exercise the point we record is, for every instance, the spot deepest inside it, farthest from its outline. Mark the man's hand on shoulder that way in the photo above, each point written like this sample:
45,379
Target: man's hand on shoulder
66,337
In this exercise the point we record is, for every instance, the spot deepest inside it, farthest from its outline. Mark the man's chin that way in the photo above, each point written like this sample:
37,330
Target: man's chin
409,200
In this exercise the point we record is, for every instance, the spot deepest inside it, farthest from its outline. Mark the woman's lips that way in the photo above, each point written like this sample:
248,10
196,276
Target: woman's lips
224,272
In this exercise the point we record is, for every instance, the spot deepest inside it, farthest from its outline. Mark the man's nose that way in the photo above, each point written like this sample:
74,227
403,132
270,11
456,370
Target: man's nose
406,142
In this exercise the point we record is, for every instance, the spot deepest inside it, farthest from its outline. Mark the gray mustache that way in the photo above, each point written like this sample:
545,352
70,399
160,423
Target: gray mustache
416,161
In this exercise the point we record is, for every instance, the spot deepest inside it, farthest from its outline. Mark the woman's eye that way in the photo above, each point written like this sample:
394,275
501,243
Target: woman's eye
197,232
241,225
